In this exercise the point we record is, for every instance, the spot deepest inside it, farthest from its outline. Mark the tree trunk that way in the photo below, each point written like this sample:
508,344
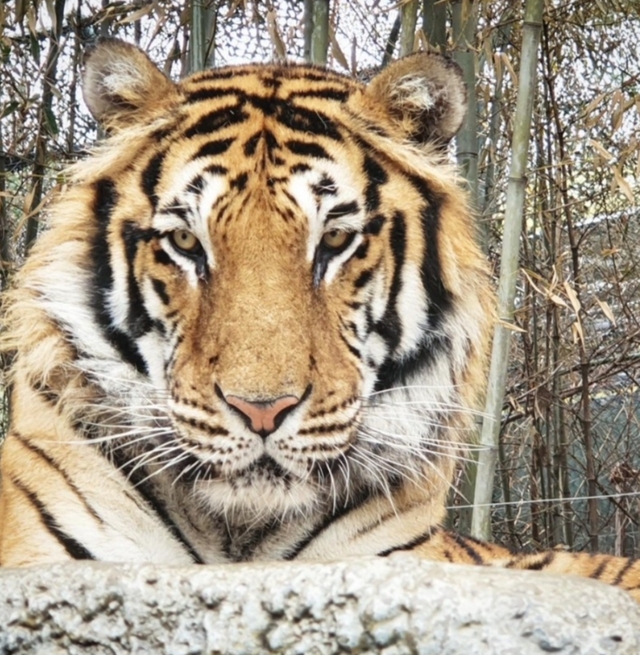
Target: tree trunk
481,521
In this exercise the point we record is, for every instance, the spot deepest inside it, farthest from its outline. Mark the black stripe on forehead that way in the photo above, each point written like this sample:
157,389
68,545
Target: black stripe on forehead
216,120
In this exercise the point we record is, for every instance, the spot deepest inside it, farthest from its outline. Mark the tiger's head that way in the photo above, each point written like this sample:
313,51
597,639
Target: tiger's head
275,267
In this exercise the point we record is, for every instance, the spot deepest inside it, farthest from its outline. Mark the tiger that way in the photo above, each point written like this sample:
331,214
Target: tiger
256,327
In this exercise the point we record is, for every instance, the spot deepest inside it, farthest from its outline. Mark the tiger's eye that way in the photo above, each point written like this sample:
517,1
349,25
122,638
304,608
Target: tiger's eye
335,239
185,241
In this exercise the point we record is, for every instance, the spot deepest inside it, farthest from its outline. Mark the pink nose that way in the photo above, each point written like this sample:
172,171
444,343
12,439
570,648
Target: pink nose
263,417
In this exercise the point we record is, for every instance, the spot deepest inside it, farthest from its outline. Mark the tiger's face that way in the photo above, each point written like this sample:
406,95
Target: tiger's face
283,264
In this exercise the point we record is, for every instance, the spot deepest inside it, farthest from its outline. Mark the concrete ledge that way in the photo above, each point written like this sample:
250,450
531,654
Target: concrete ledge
392,606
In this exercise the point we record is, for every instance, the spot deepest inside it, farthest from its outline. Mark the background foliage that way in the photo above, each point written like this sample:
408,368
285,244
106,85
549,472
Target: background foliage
569,455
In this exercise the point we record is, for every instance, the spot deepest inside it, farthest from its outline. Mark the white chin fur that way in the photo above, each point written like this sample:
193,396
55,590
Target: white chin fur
257,495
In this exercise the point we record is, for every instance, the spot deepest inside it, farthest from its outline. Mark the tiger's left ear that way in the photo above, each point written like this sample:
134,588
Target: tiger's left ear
424,95
120,84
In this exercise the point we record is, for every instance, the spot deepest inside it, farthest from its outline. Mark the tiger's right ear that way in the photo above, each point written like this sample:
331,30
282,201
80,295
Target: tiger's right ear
121,84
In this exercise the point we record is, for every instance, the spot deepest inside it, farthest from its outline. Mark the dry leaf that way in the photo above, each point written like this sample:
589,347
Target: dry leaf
336,51
625,187
509,67
509,326
600,149
578,334
593,104
606,310
573,297
136,15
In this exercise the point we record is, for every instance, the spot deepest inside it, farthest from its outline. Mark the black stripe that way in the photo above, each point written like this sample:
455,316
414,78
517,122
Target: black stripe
213,148
151,176
390,326
374,225
250,145
161,289
623,571
599,569
464,544
541,563
74,548
418,541
325,93
201,425
343,209
376,177
325,187
352,349
138,319
139,480
307,122
36,450
162,257
363,279
324,429
439,297
106,198
239,182
308,149
217,120
360,499
362,250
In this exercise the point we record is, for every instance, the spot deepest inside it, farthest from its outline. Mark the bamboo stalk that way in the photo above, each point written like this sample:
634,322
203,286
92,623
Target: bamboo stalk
409,20
481,520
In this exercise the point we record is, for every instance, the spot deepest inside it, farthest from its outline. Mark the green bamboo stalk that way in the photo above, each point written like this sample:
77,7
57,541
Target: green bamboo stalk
434,16
409,20
320,32
514,206
201,50
464,26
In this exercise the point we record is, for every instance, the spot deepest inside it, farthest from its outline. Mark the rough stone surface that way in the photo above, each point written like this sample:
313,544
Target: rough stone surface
390,606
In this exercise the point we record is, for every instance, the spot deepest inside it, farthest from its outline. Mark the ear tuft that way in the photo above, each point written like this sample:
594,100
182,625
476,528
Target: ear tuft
120,83
424,94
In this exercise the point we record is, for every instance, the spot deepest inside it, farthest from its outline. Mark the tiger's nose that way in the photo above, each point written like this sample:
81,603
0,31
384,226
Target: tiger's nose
265,416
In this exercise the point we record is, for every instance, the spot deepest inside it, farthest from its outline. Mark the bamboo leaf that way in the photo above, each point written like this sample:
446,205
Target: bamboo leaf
136,15
573,298
625,187
510,69
618,109
274,35
336,51
576,331
606,310
593,104
600,149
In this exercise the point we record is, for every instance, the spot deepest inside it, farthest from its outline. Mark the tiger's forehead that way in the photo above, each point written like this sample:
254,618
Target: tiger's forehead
283,82
258,130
